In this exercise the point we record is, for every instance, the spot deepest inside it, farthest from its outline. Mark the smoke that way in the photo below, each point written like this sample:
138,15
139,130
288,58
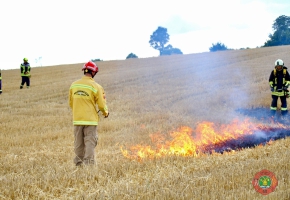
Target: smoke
260,137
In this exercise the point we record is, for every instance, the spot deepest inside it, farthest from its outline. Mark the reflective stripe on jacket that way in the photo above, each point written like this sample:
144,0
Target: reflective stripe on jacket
84,95
25,69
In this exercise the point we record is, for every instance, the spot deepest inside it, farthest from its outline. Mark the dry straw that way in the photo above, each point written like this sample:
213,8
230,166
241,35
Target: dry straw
145,96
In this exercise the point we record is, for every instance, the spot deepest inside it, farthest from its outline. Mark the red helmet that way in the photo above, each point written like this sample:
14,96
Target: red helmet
91,66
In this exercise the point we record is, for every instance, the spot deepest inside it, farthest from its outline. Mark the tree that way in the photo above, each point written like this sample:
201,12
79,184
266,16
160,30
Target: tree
96,59
159,38
281,35
169,50
131,55
218,47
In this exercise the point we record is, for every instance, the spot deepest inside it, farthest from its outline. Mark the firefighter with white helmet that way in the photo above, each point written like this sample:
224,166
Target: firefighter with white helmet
25,73
84,95
279,81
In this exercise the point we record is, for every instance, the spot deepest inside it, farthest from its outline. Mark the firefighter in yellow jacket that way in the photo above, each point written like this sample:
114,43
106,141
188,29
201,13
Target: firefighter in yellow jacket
25,73
84,95
279,81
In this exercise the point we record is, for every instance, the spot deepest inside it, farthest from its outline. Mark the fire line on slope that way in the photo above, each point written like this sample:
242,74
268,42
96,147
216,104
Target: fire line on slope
209,138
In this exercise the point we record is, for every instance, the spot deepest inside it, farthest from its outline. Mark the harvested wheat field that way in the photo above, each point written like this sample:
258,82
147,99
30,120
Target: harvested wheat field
180,127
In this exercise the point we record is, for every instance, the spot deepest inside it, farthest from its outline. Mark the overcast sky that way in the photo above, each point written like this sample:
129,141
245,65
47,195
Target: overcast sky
75,31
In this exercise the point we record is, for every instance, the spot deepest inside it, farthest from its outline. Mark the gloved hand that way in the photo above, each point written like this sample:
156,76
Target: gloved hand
285,88
271,86
107,115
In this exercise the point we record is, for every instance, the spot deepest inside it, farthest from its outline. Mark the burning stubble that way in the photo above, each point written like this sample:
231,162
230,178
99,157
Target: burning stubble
208,138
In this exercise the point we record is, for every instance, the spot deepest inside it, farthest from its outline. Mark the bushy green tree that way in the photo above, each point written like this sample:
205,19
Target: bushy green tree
159,38
131,55
96,59
281,35
169,50
218,47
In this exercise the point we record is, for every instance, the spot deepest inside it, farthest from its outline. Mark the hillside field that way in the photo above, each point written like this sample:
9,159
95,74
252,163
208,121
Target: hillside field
145,96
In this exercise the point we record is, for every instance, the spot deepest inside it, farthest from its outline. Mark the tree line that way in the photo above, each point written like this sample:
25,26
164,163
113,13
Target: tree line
280,36
160,38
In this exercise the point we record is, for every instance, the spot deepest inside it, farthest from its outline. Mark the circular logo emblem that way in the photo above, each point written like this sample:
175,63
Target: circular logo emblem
265,182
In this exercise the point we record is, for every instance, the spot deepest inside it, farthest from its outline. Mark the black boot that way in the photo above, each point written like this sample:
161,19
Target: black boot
273,113
284,112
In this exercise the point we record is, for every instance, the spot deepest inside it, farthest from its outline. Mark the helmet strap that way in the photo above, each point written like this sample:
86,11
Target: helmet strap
89,72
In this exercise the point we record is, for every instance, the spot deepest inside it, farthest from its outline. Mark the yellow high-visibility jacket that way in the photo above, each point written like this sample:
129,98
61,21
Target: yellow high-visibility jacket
84,95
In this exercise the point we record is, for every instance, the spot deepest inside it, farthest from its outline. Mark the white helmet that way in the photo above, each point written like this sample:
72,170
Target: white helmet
279,62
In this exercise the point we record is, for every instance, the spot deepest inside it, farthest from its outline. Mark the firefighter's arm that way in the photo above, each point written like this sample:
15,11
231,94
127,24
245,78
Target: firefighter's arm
28,71
287,80
271,83
101,101
271,79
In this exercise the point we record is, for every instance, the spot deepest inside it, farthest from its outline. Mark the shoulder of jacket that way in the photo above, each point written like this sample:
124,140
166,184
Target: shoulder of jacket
76,82
97,85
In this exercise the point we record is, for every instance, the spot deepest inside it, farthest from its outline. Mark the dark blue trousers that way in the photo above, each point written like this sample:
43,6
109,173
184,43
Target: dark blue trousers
26,80
283,103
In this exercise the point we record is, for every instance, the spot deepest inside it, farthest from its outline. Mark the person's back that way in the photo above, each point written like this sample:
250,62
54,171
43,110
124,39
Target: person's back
84,95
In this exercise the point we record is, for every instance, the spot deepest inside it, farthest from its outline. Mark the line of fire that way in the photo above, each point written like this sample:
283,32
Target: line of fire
208,138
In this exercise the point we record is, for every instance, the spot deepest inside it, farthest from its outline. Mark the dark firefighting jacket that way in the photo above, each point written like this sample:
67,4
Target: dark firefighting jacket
279,80
25,69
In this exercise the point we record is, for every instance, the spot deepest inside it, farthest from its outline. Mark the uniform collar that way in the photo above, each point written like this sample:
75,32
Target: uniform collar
86,77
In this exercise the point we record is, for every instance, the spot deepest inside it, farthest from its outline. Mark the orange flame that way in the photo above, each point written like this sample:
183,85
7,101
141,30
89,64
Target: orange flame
182,143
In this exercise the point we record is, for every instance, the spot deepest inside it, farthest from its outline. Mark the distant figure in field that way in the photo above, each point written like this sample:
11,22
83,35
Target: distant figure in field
0,81
25,73
84,95
279,81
